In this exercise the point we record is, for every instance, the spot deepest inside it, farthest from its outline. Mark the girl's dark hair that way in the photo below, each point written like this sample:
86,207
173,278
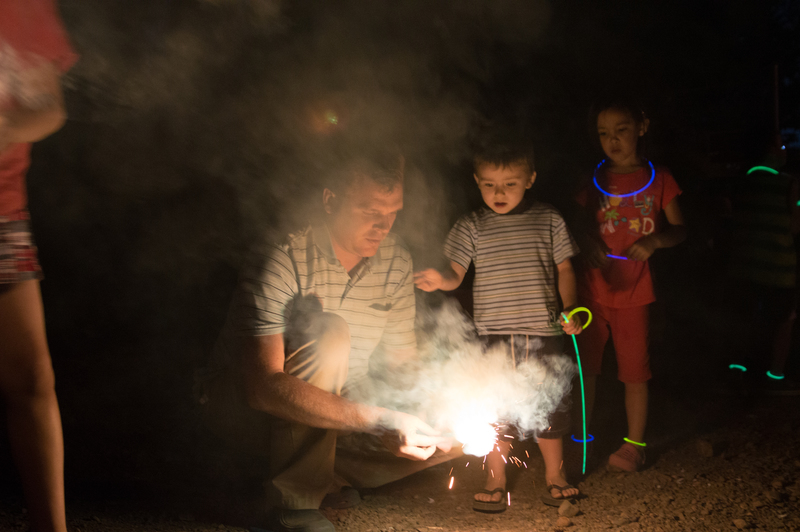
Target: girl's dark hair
626,103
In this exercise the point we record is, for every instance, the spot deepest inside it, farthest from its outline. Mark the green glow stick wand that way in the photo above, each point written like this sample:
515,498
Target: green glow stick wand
580,372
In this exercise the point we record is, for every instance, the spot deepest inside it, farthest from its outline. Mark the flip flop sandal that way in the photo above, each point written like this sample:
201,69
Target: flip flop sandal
549,500
491,506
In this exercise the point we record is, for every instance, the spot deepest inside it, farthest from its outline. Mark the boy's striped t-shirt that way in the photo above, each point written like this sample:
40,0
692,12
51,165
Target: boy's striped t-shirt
377,302
515,257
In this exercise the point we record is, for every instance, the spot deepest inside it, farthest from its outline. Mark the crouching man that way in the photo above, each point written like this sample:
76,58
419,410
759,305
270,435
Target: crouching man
308,315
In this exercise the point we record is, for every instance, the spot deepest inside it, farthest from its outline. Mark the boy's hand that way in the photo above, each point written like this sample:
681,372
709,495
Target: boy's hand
429,280
642,249
573,326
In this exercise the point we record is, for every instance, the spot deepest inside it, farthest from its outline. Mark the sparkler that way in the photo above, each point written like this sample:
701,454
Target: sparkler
474,428
580,369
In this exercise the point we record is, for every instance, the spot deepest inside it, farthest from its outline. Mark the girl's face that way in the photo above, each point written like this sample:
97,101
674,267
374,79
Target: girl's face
619,133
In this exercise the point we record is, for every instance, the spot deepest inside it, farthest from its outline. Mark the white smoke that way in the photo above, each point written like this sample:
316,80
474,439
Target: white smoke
457,380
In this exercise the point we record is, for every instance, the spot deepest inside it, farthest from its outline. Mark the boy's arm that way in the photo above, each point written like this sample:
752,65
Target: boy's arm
447,280
567,289
643,248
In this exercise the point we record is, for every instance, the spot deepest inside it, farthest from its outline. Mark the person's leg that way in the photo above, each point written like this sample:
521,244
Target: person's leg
302,457
553,454
629,329
781,315
549,351
630,335
27,385
495,468
591,342
636,397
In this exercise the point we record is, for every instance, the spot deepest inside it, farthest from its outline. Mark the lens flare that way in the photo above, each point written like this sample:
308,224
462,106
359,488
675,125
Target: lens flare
474,429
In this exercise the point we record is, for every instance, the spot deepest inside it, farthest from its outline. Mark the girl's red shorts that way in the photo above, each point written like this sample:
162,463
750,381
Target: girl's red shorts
18,261
629,331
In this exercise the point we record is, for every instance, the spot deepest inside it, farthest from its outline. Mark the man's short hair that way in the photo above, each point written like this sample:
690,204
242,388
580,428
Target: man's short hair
502,146
383,164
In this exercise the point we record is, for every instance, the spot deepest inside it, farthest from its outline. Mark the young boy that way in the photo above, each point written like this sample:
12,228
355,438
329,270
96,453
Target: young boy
521,249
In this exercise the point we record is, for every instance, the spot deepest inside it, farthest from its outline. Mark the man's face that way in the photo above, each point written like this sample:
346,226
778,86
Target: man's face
503,188
361,217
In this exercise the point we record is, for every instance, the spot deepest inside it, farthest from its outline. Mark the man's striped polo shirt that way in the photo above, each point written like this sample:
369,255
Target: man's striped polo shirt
515,257
377,302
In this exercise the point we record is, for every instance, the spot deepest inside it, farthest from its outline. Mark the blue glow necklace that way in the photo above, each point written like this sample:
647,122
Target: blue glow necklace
596,184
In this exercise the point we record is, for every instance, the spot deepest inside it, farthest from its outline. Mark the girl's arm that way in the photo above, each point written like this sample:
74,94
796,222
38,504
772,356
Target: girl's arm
450,279
39,114
567,289
593,249
673,235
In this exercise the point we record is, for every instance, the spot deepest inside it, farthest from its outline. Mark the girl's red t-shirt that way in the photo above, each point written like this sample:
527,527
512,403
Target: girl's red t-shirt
31,34
621,222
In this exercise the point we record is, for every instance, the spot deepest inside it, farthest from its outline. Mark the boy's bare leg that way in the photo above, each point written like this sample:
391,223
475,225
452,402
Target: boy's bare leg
553,454
495,473
27,385
636,395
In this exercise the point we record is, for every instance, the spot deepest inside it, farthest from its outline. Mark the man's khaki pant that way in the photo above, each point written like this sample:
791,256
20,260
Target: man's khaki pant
305,463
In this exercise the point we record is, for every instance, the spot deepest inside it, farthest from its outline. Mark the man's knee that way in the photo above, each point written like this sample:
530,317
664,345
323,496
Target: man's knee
320,357
334,336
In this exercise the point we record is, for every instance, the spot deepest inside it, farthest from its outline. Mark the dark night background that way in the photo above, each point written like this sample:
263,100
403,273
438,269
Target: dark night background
195,126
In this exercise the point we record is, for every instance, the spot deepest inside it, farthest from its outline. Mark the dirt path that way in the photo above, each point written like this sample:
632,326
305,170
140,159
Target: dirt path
742,474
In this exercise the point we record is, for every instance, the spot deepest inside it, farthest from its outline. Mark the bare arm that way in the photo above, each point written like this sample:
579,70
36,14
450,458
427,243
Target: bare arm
567,289
39,114
270,389
447,280
593,248
673,235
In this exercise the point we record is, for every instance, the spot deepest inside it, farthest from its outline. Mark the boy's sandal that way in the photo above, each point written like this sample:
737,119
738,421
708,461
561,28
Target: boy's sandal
549,500
491,506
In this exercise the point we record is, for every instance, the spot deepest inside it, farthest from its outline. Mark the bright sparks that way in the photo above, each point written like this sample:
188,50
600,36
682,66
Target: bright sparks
452,479
474,429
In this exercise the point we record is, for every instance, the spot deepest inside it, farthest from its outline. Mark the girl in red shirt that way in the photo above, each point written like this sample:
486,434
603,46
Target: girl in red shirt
34,53
625,207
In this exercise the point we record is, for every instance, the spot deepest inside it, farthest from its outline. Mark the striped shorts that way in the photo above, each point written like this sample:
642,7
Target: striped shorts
18,260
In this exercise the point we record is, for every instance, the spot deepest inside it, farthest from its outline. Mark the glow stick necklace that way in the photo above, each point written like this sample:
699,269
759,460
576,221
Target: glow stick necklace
596,184
580,372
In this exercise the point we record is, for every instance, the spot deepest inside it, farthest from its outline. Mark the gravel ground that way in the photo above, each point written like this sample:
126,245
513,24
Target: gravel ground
742,474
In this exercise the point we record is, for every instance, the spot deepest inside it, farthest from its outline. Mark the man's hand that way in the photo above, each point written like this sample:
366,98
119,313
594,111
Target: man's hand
573,326
429,280
409,437
642,249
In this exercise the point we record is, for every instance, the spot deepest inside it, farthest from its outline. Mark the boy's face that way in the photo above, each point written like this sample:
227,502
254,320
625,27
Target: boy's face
502,188
362,217
619,134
